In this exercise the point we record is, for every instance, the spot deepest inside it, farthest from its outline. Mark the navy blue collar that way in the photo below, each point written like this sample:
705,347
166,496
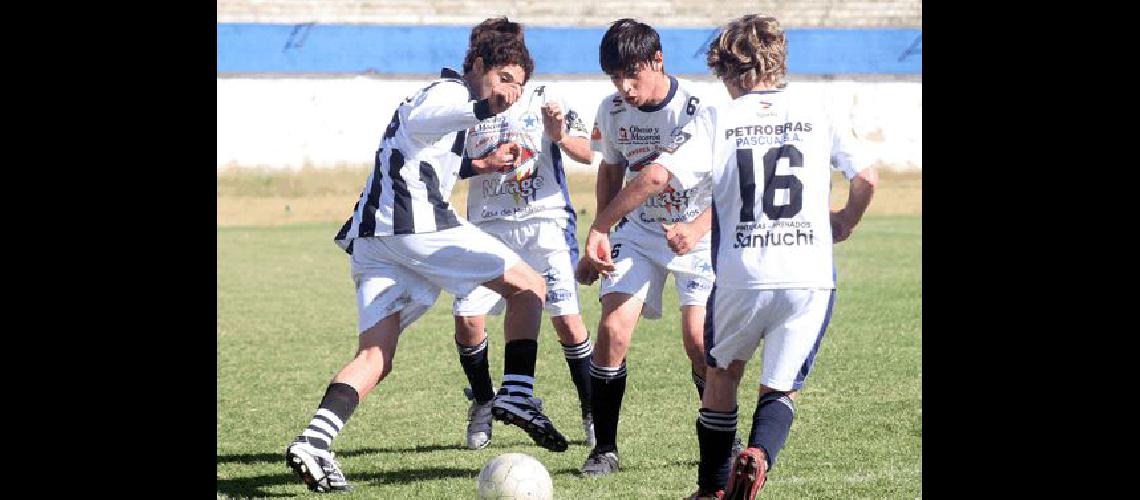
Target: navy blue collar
764,92
665,102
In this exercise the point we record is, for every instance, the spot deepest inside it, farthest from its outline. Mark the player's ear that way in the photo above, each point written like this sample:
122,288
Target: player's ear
658,61
477,67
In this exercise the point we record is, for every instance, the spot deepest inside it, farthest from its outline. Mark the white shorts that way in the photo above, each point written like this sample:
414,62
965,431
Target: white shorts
642,261
790,321
404,273
550,246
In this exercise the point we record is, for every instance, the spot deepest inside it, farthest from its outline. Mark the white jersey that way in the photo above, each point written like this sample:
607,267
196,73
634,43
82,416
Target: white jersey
417,164
536,188
634,136
771,180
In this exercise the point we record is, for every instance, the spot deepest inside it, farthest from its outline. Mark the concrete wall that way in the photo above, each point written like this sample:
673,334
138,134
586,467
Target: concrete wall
293,122
698,13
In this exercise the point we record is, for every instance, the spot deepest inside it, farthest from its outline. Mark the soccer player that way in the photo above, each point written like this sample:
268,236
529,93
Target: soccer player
772,237
406,243
518,194
646,113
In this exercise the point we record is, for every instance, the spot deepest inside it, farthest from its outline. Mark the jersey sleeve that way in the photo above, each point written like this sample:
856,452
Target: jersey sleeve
601,139
845,156
443,108
694,149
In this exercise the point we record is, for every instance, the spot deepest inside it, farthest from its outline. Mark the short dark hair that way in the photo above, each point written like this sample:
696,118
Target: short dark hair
499,42
626,45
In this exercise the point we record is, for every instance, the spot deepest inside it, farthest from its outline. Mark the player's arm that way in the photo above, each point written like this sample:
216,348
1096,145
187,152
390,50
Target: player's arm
844,157
683,236
652,179
501,159
577,148
565,129
608,183
606,187
859,195
447,108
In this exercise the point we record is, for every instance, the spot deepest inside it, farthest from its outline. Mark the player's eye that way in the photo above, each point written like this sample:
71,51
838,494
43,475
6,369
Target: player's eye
506,77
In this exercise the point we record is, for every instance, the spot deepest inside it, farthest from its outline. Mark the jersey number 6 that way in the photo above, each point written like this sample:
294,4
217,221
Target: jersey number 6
772,182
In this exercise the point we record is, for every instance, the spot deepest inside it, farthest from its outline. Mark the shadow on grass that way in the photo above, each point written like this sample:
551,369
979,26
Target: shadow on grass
253,458
245,487
575,472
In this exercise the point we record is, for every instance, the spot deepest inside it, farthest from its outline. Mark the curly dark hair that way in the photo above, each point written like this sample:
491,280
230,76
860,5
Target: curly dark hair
499,42
626,45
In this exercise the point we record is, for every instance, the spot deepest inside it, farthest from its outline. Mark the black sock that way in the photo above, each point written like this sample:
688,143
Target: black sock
518,368
715,432
771,424
338,404
699,381
578,360
607,388
473,358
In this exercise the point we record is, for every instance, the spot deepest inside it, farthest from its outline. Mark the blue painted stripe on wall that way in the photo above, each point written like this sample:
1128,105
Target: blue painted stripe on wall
340,48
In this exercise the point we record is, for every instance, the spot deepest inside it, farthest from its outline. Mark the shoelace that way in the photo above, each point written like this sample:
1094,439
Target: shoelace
332,468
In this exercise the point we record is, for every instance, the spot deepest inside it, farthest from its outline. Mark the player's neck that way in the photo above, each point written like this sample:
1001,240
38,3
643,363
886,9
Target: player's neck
661,92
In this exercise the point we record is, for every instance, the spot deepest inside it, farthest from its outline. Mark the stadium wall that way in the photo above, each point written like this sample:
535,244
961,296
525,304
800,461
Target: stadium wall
322,122
294,91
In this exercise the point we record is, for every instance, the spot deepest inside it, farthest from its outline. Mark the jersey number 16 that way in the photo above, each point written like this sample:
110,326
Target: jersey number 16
772,182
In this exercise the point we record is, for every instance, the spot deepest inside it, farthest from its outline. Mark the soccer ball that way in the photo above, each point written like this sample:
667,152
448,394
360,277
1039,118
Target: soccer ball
515,476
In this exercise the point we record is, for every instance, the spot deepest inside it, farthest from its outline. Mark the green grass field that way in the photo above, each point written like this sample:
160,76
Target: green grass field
286,323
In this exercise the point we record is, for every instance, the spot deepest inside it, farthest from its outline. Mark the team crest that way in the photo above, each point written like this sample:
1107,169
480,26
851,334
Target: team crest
531,122
679,139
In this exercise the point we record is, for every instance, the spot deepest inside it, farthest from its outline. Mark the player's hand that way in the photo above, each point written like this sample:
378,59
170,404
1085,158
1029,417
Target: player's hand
503,158
553,120
681,237
503,95
585,273
840,226
598,251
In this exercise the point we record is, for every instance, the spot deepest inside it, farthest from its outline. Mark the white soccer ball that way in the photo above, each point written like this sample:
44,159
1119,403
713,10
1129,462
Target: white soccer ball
515,476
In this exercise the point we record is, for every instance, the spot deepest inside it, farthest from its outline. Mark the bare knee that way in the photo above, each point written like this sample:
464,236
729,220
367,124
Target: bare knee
469,330
791,394
615,324
569,328
378,363
696,353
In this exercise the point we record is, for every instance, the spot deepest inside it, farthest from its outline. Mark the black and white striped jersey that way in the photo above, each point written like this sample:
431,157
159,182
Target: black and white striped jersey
417,164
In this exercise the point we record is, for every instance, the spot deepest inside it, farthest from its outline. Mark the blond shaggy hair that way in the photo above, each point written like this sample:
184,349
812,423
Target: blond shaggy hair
749,51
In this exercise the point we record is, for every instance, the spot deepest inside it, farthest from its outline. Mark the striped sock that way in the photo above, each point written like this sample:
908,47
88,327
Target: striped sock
607,388
578,360
715,433
473,359
338,404
518,368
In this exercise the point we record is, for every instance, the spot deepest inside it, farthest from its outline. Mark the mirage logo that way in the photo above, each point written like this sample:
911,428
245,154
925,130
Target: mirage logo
522,184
